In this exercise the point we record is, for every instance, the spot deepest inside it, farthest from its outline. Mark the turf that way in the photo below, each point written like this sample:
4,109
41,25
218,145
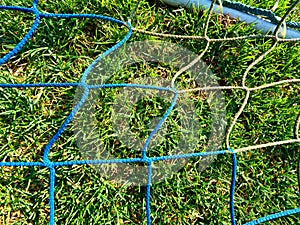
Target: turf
62,49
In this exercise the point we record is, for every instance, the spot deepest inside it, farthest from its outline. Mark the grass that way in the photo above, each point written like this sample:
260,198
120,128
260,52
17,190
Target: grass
62,49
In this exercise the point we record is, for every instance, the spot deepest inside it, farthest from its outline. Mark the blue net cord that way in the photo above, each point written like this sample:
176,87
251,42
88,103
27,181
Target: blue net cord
52,165
148,193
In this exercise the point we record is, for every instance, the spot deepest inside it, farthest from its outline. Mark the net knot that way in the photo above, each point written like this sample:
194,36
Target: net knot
48,163
282,29
231,150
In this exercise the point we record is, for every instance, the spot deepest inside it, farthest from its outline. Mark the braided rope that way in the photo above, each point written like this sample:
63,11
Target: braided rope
259,12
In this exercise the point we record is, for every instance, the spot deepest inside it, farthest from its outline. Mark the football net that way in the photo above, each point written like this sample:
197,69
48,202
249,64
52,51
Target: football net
274,29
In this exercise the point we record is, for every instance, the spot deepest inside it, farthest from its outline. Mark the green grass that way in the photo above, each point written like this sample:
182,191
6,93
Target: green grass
62,49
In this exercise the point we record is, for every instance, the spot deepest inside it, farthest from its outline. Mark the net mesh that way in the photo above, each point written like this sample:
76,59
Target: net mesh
53,165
